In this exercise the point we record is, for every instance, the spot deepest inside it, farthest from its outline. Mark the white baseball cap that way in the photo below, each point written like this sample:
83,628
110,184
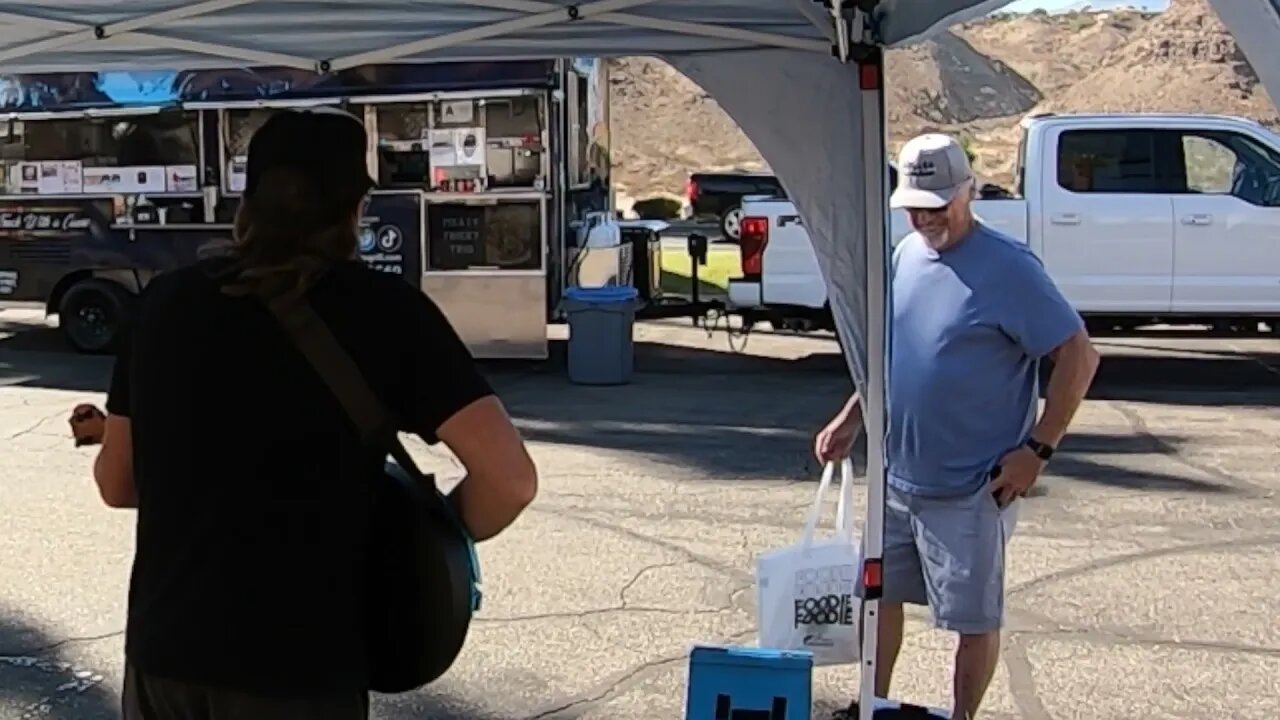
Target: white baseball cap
931,168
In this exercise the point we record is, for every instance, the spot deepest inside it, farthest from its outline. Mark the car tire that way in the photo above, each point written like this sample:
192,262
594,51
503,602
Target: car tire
731,224
93,314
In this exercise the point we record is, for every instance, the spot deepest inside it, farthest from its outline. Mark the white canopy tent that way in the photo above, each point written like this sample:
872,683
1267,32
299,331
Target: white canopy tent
801,77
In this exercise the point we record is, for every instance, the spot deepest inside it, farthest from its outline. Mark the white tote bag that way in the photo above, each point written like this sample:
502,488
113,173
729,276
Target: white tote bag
805,593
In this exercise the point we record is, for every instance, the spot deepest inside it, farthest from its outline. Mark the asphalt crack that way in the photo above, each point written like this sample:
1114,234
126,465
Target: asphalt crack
617,687
1121,636
45,649
1094,566
607,692
36,426
1022,681
698,559
624,605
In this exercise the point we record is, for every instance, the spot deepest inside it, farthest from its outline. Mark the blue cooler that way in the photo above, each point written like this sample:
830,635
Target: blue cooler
747,683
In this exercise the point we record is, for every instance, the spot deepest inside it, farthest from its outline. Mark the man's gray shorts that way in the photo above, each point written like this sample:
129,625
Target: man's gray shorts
948,553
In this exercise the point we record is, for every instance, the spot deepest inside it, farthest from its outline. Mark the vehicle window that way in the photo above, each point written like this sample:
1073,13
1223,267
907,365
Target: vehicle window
1108,161
1221,163
1209,165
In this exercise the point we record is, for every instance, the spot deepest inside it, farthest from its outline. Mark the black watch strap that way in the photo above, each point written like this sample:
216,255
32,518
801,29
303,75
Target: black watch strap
1044,451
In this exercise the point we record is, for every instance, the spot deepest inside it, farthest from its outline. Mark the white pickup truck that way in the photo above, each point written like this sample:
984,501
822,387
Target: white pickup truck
1140,219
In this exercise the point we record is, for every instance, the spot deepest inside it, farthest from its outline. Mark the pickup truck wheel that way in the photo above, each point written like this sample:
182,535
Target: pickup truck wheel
731,223
93,313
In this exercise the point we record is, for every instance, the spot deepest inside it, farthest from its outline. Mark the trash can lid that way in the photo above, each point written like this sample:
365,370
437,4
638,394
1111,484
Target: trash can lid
607,294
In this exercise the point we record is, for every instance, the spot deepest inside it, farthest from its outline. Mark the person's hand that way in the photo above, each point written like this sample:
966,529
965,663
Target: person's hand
835,441
88,424
1017,472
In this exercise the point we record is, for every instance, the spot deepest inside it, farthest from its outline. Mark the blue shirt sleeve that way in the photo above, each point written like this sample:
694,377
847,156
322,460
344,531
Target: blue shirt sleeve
1033,311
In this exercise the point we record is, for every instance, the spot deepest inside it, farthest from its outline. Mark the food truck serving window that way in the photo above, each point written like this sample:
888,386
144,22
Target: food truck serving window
403,145
238,126
514,150
506,236
462,144
148,153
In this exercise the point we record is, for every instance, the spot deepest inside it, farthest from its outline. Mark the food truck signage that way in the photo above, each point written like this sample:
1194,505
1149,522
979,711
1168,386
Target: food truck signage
457,236
115,88
48,220
390,234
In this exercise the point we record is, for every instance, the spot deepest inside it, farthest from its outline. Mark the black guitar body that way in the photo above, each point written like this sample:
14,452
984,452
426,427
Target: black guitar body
424,583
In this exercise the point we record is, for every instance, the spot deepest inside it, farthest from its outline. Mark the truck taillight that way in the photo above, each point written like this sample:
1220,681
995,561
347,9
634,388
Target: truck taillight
691,190
752,239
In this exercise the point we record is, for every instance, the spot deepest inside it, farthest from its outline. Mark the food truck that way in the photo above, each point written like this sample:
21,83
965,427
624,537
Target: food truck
482,169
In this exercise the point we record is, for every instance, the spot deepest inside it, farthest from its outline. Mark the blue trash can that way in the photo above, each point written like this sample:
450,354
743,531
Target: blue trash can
600,324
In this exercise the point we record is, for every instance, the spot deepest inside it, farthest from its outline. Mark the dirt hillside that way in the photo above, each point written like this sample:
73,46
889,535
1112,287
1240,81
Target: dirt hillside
1183,61
976,81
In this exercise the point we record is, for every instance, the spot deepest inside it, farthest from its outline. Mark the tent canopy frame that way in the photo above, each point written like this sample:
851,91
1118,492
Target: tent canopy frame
850,31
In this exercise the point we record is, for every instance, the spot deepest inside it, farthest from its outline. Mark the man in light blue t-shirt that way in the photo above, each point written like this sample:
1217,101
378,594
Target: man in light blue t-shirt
973,314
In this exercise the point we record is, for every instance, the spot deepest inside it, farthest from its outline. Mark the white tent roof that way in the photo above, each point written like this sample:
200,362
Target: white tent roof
75,35
54,35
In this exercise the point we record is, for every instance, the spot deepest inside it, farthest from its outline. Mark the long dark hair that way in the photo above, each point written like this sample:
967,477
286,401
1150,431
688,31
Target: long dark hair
288,233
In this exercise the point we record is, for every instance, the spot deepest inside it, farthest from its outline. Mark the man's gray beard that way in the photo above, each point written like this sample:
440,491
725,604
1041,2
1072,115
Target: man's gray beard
937,240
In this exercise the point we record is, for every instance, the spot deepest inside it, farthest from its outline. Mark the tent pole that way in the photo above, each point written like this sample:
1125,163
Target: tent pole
875,171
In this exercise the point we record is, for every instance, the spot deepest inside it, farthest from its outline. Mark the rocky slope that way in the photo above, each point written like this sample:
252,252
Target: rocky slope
975,81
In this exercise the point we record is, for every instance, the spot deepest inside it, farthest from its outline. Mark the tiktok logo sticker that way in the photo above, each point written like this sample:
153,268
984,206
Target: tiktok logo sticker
389,238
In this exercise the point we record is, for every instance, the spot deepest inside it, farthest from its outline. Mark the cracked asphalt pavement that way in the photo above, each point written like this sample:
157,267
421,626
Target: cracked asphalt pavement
1144,575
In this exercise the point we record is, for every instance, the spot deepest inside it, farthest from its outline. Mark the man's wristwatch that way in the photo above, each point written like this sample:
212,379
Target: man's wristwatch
1044,451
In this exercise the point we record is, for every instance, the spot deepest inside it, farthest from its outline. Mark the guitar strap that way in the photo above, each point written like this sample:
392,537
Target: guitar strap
313,338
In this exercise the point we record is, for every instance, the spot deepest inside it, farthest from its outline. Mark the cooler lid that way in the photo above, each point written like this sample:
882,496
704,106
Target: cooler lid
752,657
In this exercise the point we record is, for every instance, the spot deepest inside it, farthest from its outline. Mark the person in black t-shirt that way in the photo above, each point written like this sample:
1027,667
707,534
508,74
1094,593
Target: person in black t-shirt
246,594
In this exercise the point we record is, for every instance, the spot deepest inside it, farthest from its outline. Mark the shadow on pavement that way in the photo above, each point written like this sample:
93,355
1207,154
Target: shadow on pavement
658,358
1078,461
714,412
414,706
1219,376
468,697
36,682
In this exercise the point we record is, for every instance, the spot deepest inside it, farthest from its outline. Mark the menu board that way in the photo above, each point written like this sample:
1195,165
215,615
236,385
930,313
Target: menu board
69,177
457,147
136,179
237,173
506,235
53,177
456,236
